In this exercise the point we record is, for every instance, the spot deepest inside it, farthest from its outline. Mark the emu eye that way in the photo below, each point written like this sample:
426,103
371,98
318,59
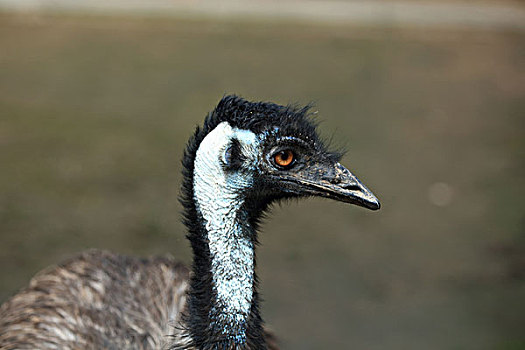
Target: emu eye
283,158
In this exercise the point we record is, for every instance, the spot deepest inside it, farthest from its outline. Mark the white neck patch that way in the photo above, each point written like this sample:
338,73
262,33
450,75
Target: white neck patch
216,195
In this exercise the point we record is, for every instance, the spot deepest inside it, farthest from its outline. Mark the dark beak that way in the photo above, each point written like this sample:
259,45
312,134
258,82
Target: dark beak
336,182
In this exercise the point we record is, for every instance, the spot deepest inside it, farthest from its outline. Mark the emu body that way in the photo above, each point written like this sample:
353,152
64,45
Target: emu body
247,156
97,300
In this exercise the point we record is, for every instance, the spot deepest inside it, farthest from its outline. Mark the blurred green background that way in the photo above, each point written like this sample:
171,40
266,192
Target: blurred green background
95,112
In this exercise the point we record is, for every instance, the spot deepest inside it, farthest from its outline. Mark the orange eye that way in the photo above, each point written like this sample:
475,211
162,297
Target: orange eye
283,158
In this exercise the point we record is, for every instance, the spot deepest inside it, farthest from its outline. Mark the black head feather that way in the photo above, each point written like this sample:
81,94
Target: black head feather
264,117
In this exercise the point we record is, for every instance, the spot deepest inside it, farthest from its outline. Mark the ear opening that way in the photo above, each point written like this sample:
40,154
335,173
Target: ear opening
233,158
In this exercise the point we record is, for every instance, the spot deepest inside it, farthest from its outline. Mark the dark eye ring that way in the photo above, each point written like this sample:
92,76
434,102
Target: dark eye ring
284,158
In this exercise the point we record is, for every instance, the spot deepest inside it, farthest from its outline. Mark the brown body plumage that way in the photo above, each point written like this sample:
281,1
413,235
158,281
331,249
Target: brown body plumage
97,300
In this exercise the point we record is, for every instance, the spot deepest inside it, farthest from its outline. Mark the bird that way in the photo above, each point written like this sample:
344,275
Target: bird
246,156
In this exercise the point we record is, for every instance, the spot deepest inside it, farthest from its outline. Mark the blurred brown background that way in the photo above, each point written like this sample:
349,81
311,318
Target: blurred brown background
96,107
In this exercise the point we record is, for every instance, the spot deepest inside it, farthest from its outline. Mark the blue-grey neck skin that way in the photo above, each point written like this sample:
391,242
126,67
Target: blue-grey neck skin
227,233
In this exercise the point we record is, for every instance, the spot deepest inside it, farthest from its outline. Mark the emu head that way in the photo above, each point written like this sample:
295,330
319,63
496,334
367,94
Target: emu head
264,152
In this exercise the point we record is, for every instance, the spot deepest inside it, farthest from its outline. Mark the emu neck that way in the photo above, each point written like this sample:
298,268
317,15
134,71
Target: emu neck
223,304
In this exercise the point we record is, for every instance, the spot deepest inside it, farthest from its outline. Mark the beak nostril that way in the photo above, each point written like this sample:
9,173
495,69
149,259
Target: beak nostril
335,180
351,187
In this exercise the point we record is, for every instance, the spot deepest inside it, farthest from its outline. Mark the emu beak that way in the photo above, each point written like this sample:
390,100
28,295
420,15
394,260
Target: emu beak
346,187
336,182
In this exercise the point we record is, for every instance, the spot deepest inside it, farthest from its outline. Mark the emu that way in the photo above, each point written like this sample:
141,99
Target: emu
247,156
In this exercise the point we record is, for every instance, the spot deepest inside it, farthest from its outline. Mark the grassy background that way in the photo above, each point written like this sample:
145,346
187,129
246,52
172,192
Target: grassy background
95,112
